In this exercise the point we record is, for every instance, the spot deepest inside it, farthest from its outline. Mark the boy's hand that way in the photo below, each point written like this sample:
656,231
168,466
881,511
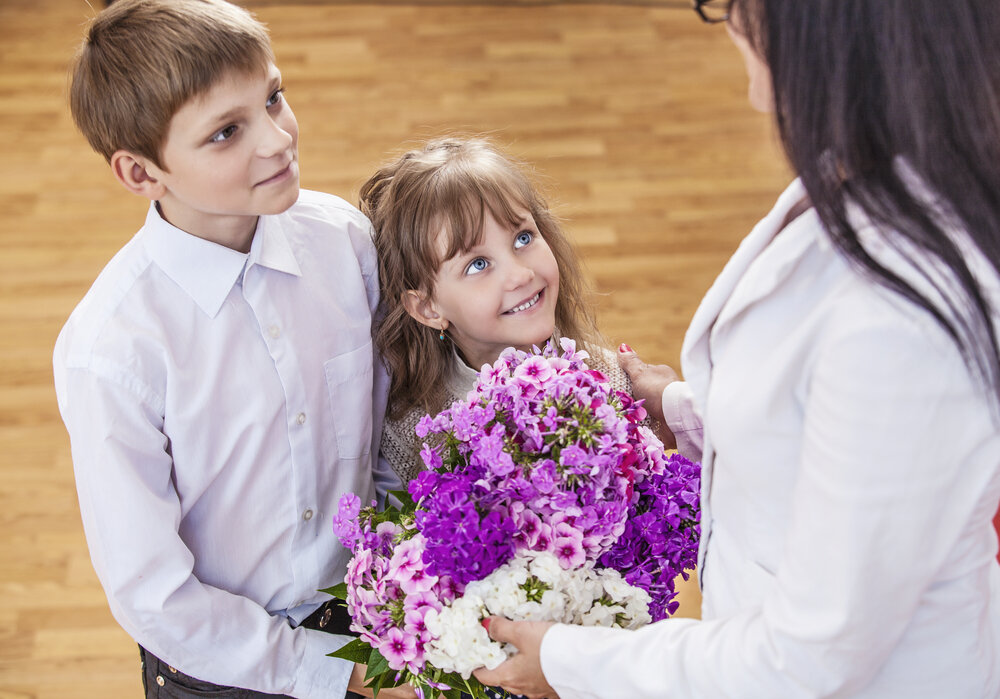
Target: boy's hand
357,684
648,382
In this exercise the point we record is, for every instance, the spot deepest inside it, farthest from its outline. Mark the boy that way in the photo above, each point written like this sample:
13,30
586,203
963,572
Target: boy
217,380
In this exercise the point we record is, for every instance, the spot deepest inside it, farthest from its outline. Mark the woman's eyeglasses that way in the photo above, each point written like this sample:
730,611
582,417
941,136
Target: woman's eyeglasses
713,11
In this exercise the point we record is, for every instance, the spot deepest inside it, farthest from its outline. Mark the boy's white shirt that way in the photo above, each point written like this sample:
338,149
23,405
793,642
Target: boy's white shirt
218,405
843,553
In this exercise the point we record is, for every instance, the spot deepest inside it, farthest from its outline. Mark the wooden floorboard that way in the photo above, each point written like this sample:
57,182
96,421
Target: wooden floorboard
634,116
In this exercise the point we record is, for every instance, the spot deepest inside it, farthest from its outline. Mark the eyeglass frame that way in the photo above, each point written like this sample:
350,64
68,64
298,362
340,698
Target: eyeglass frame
698,7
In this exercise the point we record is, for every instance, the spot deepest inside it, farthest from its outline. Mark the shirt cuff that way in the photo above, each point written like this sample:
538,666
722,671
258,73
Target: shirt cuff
683,419
319,676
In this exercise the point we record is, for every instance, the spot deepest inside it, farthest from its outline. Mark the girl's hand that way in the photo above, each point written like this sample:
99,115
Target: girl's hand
521,674
648,382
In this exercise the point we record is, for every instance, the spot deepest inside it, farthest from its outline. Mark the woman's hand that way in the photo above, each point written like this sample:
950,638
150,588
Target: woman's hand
648,382
357,684
521,674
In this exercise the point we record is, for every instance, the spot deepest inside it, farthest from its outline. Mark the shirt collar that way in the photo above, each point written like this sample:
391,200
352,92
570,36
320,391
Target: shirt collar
271,247
207,271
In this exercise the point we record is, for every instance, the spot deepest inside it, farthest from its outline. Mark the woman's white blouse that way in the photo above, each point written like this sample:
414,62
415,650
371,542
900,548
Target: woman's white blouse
851,472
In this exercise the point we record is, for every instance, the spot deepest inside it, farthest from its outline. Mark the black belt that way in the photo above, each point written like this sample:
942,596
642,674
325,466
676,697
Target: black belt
332,617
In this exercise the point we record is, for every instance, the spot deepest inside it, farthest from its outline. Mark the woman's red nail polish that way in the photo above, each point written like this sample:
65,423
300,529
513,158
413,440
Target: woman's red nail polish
486,624
624,348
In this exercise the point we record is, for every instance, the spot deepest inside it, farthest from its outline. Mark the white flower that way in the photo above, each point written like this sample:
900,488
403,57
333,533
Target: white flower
546,567
616,587
601,615
579,596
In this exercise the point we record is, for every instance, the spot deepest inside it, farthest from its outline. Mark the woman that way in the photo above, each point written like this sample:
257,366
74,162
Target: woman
846,365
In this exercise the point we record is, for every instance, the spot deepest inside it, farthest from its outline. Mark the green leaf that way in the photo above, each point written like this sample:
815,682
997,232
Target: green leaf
338,591
376,685
404,498
452,679
357,651
377,664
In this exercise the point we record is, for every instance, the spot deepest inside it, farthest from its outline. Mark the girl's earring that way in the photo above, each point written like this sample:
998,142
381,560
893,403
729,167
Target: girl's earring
441,331
441,335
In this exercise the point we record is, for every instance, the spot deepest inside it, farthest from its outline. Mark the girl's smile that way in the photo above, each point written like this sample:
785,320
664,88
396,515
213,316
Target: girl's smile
530,303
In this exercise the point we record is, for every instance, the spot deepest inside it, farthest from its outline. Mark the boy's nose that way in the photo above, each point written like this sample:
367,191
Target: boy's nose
276,140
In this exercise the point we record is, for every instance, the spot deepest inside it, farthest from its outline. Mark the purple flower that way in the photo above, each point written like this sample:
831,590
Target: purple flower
660,538
345,521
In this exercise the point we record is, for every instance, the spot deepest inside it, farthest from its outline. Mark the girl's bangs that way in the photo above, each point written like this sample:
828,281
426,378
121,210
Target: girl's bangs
468,201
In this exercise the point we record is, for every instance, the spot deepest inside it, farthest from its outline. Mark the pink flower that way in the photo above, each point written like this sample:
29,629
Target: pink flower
407,567
534,372
568,546
398,648
529,526
544,541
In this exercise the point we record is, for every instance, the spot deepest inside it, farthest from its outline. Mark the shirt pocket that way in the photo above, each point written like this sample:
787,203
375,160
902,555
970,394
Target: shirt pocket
349,378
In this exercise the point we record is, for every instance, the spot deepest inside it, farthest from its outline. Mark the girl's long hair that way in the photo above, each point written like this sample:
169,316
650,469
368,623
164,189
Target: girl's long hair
873,95
448,185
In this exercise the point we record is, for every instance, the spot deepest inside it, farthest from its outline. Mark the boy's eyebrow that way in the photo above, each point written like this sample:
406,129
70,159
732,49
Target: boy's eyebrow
229,115
236,112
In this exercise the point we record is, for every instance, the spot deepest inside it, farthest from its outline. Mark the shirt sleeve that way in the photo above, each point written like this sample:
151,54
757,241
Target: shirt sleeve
895,463
684,419
131,513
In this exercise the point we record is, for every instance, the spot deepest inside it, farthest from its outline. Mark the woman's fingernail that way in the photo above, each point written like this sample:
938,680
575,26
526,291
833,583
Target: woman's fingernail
486,624
624,348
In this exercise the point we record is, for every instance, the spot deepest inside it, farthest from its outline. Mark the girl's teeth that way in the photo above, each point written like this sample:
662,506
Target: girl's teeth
525,305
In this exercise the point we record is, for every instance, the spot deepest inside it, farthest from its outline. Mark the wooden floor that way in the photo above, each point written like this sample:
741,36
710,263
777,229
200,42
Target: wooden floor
635,116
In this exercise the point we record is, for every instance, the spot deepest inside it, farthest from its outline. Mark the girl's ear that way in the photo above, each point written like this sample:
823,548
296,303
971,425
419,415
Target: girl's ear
137,174
423,310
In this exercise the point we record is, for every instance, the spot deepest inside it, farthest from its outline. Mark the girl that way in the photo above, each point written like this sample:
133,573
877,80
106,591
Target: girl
470,262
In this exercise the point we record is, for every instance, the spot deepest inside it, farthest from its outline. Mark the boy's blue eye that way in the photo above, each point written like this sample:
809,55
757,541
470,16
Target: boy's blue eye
275,97
224,135
477,265
523,238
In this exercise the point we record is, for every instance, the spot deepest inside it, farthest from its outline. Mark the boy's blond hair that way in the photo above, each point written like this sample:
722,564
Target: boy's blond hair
141,60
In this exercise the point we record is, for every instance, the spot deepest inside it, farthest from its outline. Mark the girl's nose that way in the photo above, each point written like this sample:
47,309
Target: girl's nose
519,276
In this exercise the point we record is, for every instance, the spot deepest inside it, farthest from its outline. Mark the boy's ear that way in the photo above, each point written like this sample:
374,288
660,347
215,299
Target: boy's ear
423,310
137,174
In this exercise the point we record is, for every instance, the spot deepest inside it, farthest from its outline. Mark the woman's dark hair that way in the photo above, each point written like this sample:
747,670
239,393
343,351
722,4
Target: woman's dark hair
874,96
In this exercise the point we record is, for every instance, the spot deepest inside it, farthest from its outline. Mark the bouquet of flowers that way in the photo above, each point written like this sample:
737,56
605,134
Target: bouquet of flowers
545,498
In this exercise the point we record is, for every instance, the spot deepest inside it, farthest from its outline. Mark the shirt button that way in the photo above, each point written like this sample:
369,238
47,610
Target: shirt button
172,669
274,331
307,515
300,418
160,681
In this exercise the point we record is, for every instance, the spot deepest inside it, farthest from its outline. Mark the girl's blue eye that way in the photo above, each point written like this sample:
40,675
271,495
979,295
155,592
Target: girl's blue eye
523,238
275,97
477,265
224,135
